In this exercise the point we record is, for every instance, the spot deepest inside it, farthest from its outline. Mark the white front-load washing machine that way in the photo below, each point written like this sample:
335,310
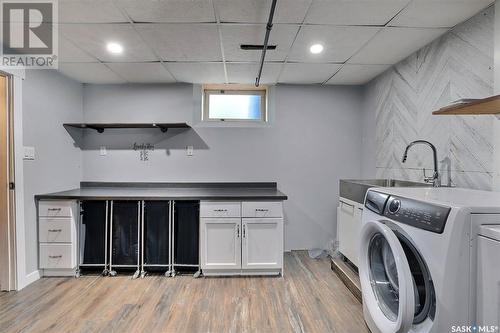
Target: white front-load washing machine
417,257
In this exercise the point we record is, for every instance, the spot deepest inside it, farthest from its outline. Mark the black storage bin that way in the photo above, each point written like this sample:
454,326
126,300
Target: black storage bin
186,232
93,234
124,234
156,236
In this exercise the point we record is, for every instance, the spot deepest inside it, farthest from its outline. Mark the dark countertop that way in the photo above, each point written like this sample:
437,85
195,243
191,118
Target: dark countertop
169,191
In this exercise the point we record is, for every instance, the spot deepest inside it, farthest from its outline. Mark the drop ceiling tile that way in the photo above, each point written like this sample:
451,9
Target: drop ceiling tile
354,12
357,74
89,11
392,45
257,11
142,72
197,72
93,38
69,52
235,35
340,43
182,42
168,10
95,73
438,13
300,73
245,73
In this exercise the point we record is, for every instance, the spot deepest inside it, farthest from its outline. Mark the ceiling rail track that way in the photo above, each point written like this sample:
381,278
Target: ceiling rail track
269,27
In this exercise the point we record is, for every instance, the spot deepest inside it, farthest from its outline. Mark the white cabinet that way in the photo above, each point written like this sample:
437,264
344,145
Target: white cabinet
349,214
248,245
57,237
220,243
262,243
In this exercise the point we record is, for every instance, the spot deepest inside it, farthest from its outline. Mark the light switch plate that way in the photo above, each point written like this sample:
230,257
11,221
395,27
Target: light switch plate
189,150
103,151
29,153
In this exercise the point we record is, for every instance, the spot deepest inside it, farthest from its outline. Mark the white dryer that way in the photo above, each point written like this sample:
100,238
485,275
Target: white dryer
417,257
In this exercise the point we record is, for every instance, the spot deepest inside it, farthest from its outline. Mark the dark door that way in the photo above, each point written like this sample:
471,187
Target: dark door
125,240
156,234
93,233
186,234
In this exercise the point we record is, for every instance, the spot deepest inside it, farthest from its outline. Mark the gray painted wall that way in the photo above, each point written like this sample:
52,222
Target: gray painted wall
313,140
49,99
399,103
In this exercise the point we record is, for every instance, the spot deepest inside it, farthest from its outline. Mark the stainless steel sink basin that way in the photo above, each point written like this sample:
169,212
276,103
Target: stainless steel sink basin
355,189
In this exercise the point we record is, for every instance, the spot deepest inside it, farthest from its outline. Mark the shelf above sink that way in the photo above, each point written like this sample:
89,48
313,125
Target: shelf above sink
100,127
483,106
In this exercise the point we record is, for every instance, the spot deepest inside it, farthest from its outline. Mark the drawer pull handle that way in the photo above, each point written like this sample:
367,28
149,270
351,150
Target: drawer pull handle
55,257
261,210
55,230
54,209
220,210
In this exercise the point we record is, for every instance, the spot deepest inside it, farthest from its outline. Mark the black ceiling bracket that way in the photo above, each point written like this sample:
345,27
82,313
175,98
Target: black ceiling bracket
269,27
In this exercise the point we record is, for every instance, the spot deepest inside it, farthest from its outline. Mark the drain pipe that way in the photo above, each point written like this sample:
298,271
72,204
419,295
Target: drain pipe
266,40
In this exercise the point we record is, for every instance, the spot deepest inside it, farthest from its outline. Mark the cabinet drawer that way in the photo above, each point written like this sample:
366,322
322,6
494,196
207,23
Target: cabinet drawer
56,256
55,209
220,209
262,209
56,230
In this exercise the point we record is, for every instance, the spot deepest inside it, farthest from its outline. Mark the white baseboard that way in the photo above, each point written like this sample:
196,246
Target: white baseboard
29,279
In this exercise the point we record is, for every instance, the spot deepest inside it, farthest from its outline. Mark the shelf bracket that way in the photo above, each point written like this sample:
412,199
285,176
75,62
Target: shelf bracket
98,129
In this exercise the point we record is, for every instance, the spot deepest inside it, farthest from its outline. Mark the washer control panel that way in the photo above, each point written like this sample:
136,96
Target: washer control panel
418,214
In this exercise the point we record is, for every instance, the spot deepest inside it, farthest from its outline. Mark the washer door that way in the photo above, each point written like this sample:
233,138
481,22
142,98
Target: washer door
386,280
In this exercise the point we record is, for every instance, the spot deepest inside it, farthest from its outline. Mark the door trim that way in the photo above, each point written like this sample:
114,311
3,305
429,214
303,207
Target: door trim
8,255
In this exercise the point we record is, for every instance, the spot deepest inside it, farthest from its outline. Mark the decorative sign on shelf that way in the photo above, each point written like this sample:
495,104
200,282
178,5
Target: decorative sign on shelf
144,149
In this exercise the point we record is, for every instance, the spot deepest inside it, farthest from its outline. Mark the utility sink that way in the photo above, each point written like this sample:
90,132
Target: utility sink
355,189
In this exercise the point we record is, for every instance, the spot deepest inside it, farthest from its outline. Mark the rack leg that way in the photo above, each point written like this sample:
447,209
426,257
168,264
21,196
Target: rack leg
136,274
197,274
77,273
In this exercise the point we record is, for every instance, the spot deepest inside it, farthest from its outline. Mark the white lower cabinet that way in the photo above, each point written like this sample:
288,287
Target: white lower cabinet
349,215
57,237
240,245
220,240
262,243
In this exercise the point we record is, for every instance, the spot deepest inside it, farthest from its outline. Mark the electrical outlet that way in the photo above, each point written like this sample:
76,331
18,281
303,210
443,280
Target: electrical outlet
189,150
103,151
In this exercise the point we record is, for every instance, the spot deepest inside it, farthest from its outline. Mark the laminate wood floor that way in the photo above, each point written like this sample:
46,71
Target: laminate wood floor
310,298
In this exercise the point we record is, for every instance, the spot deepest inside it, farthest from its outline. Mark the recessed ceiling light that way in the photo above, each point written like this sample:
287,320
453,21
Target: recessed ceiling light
114,48
316,48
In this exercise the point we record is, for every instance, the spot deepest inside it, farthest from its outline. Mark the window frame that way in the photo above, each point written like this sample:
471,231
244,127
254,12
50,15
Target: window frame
230,90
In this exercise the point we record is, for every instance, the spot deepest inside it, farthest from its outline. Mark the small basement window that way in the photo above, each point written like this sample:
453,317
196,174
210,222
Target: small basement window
235,104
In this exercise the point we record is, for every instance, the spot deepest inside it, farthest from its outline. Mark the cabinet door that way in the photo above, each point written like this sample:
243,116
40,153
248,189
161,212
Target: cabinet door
221,243
346,229
262,243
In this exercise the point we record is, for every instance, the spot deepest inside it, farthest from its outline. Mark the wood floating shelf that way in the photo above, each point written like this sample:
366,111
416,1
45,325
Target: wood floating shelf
101,127
484,106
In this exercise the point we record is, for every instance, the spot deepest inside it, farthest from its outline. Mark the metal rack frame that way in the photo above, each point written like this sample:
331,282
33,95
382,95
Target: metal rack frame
143,241
198,272
80,264
112,272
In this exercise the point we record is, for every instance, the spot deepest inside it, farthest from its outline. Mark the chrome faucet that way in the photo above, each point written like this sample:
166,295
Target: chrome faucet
435,179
